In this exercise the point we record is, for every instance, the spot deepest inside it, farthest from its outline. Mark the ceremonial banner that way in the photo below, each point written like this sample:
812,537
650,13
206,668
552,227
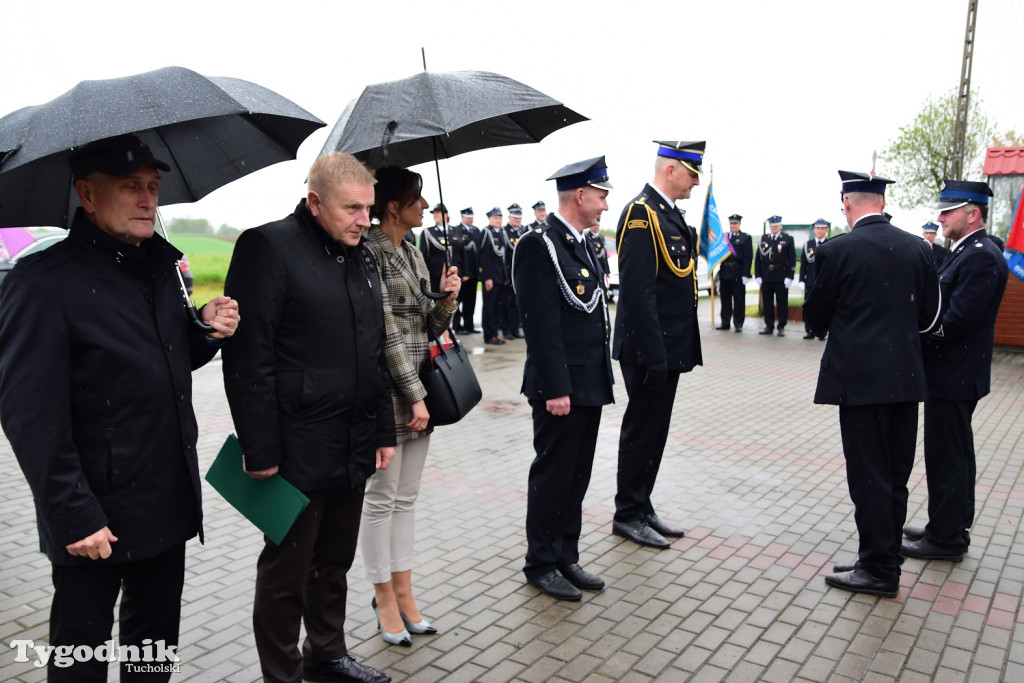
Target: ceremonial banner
1014,251
713,245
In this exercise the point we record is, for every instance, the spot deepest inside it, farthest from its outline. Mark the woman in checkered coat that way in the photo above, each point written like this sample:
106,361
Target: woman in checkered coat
386,528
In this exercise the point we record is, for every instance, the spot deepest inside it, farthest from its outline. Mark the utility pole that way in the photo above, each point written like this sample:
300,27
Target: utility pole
964,96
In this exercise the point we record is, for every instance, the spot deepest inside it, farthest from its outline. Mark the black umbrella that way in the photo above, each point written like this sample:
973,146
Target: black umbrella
210,130
435,115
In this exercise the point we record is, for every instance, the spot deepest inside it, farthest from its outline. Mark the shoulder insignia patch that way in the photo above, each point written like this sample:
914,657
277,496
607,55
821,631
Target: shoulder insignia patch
637,224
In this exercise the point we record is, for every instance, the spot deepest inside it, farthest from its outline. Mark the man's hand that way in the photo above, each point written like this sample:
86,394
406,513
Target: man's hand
385,454
656,373
93,546
558,406
221,313
488,285
420,416
259,474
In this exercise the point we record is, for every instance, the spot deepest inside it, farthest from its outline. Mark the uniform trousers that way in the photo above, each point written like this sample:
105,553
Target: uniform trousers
775,297
642,440
389,512
82,611
510,323
304,580
734,302
878,443
463,318
950,469
494,309
558,481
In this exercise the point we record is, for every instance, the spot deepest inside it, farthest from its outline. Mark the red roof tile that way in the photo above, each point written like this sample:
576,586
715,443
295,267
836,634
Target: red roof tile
1004,161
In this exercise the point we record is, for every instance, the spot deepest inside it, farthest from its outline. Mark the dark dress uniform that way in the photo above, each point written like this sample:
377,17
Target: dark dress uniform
492,267
775,263
468,249
434,247
656,331
939,253
595,240
807,261
565,317
875,290
730,278
958,365
510,320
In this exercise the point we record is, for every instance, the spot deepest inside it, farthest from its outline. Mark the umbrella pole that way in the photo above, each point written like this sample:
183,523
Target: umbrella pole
424,285
190,305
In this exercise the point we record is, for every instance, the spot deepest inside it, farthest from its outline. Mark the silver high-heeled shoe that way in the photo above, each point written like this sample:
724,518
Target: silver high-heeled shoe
421,627
401,638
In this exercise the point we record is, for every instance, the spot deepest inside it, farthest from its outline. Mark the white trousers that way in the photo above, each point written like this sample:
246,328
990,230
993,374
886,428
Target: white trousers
389,515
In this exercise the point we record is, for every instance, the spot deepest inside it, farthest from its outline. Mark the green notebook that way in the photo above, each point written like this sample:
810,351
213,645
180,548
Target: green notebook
271,504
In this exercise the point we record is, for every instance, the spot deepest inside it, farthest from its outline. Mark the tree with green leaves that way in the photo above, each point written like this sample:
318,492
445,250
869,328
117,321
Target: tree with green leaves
921,156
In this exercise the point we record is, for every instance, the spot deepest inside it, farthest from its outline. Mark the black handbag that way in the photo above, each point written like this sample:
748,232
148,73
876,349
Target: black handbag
451,384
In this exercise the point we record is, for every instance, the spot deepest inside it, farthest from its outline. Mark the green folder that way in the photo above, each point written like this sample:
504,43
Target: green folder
271,504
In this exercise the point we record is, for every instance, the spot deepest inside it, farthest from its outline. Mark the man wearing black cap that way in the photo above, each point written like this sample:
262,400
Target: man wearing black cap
96,355
929,231
514,229
733,276
495,276
773,272
540,215
465,241
958,365
807,254
656,332
875,289
434,246
567,376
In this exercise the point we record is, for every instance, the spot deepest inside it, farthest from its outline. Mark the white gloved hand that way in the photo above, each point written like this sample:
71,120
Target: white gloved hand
758,281
745,280
788,281
802,285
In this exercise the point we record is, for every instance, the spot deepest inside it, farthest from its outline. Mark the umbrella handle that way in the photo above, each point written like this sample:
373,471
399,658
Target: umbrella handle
190,305
433,296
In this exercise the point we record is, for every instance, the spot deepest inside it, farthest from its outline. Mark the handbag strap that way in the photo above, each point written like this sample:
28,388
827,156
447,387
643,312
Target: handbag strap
437,337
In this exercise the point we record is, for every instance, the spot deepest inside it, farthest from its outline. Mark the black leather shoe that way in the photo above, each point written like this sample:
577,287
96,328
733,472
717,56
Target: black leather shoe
518,335
738,329
914,533
782,332
581,578
926,550
766,330
839,568
471,330
344,669
809,335
639,532
556,585
663,527
722,327
860,581
495,341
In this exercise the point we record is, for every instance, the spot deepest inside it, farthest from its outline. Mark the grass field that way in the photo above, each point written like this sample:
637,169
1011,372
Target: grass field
208,259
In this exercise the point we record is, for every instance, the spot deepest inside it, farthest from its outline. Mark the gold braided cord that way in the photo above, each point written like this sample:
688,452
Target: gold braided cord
658,240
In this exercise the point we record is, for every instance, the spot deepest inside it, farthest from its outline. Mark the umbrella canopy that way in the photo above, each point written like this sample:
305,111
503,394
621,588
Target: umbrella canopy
13,240
210,130
435,115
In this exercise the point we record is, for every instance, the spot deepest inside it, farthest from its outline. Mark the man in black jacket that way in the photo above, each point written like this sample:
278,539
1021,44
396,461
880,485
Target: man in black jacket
807,261
465,241
434,246
494,275
958,364
96,354
875,290
308,386
774,267
733,276
929,231
656,333
567,376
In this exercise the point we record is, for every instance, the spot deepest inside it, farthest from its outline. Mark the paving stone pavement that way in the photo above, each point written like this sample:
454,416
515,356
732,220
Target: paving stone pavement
753,469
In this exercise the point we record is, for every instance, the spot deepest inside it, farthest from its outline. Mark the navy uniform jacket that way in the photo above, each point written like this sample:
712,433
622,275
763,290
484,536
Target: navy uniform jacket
738,265
492,256
433,245
958,354
939,252
597,248
512,236
807,261
657,315
776,259
876,290
562,304
463,239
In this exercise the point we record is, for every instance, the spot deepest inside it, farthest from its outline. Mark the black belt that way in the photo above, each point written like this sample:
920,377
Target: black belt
776,267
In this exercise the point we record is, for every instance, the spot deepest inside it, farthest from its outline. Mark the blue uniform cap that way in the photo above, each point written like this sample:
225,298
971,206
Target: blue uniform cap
774,220
863,182
515,210
538,206
735,218
589,172
930,227
821,223
956,193
468,211
494,212
689,154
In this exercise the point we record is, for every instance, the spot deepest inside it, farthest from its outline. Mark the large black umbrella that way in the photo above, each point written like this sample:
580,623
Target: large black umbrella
441,114
435,115
210,130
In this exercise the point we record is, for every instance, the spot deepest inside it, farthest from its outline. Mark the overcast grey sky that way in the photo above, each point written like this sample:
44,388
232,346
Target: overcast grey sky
785,93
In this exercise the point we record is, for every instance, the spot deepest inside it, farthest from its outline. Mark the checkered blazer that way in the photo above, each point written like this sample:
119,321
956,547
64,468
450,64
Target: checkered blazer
407,346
